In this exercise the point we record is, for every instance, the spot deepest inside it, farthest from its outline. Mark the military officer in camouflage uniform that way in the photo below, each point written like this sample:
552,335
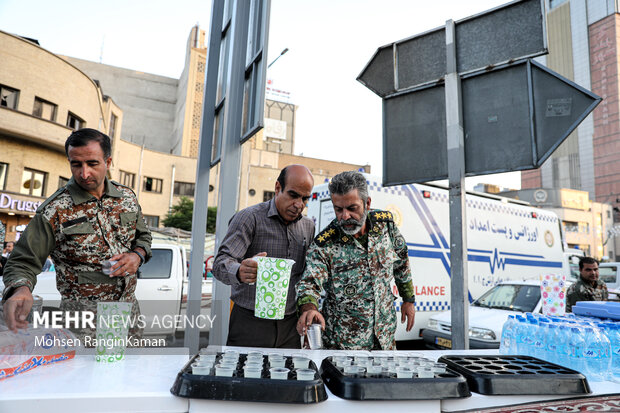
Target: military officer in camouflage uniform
589,287
90,220
353,260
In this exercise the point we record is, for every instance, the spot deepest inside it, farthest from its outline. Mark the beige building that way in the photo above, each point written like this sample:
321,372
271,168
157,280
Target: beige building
44,97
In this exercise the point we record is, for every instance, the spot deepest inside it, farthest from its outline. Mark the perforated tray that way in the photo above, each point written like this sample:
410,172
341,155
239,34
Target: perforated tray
387,387
512,375
239,388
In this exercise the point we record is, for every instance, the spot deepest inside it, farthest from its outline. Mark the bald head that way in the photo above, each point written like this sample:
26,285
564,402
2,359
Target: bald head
293,189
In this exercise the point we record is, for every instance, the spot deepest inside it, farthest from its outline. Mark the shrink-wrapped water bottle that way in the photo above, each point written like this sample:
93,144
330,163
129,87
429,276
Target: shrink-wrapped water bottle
612,331
507,342
520,334
577,343
540,338
551,345
562,339
596,354
532,328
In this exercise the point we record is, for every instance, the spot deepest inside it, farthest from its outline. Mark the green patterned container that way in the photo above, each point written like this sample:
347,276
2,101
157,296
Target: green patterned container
112,329
272,283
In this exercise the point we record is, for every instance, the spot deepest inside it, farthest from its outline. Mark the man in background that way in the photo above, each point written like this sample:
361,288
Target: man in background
589,287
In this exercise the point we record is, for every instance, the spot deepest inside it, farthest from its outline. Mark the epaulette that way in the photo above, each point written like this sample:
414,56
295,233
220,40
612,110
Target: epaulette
384,216
124,186
328,233
51,198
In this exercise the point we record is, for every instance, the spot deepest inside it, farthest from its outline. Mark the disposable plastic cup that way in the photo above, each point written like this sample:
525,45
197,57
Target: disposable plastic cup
254,364
201,362
275,355
315,340
231,354
301,362
343,362
425,372
305,374
353,370
401,358
439,368
201,369
278,373
210,358
277,362
224,370
255,355
404,373
251,371
374,371
106,266
361,359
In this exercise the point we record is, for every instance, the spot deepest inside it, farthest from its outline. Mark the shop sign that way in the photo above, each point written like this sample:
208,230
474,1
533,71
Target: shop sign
14,204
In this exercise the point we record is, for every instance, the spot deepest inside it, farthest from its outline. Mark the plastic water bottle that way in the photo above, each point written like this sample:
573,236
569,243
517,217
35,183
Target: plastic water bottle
577,343
562,339
614,338
551,344
539,340
520,334
596,354
529,338
508,336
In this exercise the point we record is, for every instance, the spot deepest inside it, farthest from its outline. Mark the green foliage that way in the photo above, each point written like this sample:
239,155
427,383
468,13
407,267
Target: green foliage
180,216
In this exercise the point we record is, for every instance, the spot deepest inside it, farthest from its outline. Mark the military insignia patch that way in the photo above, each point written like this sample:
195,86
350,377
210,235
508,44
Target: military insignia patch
382,216
350,290
324,236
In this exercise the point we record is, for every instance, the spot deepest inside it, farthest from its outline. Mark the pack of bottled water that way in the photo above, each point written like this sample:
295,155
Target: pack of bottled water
587,344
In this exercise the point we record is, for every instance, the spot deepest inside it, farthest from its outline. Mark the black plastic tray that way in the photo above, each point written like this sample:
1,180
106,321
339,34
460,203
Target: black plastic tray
449,385
512,375
239,388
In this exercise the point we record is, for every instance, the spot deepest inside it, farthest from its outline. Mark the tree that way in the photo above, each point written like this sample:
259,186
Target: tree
180,216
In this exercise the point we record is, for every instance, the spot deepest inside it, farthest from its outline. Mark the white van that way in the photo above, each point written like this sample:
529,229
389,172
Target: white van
506,239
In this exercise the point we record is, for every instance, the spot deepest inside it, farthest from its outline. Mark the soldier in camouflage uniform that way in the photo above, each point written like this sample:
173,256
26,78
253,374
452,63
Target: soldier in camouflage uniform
90,220
589,287
353,260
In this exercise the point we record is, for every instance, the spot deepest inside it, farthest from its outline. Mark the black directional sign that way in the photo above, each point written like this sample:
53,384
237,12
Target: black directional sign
512,31
514,117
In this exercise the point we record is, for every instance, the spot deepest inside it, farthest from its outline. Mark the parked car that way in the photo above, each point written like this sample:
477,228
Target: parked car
608,272
161,291
487,315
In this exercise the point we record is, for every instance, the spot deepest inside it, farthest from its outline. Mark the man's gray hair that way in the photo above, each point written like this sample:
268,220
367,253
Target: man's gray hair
345,182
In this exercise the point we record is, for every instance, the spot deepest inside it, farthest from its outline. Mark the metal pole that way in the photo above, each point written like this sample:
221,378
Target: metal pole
201,195
456,178
230,162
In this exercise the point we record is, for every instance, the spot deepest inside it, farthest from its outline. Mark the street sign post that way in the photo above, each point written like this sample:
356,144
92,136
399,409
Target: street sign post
465,100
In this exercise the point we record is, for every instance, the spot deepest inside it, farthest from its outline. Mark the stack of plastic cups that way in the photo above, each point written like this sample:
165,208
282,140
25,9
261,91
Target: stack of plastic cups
276,360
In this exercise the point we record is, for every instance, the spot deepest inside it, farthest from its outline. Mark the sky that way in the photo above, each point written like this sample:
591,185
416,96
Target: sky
329,42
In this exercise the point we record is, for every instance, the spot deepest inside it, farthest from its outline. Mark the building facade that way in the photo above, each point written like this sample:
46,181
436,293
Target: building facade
583,46
154,125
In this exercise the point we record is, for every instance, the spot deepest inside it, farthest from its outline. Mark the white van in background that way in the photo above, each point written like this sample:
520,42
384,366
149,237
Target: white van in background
507,240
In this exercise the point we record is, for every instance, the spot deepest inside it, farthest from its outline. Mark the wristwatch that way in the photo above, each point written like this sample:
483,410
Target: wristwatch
409,300
142,259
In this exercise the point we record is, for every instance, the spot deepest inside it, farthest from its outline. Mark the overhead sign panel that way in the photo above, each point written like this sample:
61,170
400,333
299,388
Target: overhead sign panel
514,117
507,33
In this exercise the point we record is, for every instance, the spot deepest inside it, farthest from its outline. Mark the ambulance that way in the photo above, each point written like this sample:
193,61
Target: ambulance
507,240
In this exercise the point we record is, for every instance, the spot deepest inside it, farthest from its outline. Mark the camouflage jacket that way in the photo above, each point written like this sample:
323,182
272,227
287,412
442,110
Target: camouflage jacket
583,291
359,304
79,232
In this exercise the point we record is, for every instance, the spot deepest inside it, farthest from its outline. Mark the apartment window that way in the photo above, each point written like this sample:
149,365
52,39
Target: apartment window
267,195
152,184
62,181
184,188
113,120
75,122
8,97
128,179
33,182
4,169
152,220
44,109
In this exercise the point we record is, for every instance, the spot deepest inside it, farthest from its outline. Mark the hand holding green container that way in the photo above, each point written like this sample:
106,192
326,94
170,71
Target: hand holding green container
272,282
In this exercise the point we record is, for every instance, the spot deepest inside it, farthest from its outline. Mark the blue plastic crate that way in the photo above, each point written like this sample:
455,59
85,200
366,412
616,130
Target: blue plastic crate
601,309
